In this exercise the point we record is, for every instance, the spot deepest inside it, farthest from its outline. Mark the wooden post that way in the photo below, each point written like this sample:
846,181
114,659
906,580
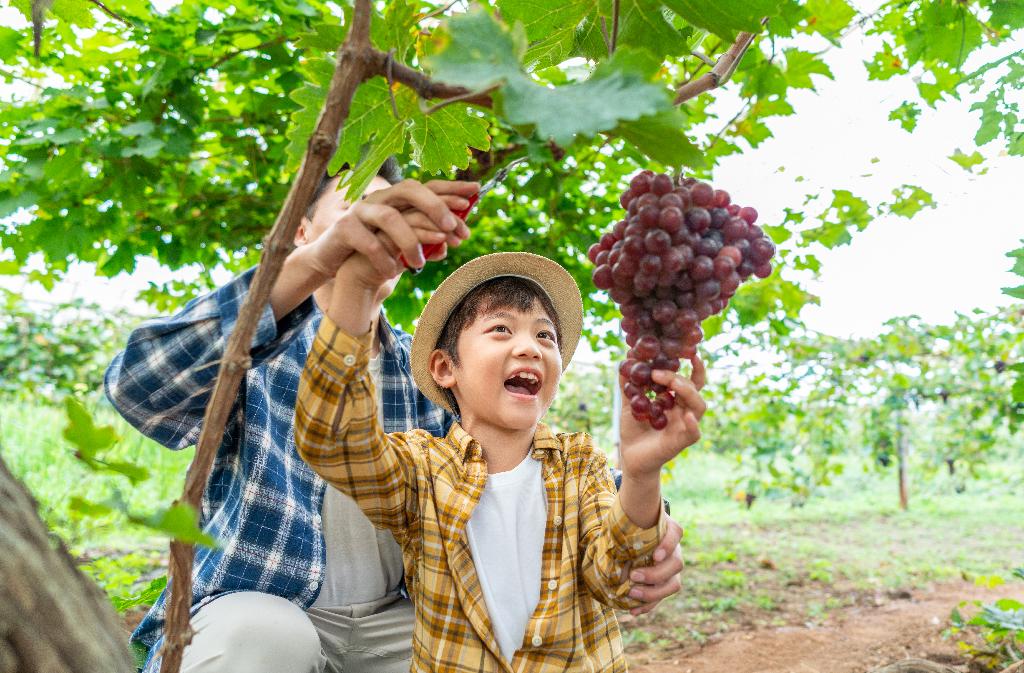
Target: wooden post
901,456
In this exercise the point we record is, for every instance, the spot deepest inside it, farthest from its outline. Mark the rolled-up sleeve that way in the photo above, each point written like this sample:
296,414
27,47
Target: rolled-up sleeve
612,545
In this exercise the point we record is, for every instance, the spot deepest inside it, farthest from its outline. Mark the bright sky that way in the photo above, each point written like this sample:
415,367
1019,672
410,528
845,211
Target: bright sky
944,260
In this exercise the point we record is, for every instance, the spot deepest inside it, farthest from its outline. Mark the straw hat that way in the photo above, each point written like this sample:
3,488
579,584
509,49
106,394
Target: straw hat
556,282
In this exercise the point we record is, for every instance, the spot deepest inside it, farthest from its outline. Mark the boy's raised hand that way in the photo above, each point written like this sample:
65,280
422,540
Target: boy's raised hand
394,220
645,450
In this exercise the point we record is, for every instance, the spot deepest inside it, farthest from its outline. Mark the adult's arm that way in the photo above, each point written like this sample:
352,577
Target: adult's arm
163,379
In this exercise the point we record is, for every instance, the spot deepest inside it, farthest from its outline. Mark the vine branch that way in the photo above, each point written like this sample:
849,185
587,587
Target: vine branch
720,72
615,24
350,70
468,96
377,64
111,13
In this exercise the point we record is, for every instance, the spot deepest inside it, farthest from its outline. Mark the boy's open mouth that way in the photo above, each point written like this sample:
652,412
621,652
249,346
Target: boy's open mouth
524,382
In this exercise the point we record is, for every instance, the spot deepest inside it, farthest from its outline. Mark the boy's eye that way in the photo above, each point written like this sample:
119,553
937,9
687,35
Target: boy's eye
499,328
545,334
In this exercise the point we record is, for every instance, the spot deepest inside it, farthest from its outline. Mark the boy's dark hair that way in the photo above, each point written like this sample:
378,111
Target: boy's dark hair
508,292
389,170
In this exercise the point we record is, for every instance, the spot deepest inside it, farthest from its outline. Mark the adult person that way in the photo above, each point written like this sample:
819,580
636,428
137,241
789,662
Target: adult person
302,581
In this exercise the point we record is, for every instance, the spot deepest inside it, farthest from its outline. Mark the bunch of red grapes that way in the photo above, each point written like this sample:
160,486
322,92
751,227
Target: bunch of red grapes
677,258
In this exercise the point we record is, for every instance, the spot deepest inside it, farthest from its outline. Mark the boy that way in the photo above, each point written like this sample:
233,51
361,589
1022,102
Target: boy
515,544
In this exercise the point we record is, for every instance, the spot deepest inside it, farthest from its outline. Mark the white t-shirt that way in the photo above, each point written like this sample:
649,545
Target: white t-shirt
506,539
364,564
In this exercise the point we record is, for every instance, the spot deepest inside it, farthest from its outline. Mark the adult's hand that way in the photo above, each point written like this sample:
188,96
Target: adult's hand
657,582
398,219
381,226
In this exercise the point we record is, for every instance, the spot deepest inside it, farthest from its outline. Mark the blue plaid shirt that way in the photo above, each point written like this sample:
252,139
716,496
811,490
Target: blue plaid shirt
262,501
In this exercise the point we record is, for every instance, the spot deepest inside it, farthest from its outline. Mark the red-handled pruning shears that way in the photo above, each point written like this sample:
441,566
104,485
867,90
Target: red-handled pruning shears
498,178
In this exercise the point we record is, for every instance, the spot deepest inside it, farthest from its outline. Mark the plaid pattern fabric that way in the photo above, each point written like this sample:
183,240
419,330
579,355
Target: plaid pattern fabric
262,501
424,488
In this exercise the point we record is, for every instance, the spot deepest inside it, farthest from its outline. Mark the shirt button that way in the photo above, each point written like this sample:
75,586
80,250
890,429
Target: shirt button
349,360
558,520
317,520
552,584
537,641
638,545
313,585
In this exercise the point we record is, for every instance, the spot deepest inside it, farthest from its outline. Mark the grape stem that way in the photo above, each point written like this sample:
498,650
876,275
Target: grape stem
720,72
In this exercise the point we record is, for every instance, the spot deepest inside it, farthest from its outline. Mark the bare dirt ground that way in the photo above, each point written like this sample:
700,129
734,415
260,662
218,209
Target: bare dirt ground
854,639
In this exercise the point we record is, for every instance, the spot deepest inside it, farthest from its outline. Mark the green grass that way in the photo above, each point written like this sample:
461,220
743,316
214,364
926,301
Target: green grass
779,564
771,565
32,446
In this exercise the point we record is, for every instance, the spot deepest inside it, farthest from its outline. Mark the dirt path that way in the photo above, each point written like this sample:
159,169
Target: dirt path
854,640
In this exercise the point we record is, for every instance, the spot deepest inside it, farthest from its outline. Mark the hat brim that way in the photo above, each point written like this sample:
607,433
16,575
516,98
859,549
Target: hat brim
554,280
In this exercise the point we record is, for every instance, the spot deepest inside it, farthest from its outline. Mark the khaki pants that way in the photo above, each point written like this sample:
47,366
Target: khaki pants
259,633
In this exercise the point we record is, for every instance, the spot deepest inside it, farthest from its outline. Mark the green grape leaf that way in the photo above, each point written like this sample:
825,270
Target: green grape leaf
846,210
394,29
310,97
550,26
800,65
726,17
661,137
476,51
177,521
619,89
440,140
1018,261
135,473
1008,14
324,37
598,104
87,508
146,597
906,115
967,161
369,115
909,201
643,25
11,42
83,432
383,146
829,17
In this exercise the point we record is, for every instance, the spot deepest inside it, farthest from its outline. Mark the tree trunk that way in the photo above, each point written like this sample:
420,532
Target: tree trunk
901,457
53,619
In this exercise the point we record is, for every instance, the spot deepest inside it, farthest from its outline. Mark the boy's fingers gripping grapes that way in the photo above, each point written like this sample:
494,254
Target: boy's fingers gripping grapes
685,391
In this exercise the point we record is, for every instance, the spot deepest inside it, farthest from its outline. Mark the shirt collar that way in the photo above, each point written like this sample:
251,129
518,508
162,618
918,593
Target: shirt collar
469,449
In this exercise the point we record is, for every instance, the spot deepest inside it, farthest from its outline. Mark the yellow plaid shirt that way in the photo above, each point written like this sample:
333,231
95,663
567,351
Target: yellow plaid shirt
424,488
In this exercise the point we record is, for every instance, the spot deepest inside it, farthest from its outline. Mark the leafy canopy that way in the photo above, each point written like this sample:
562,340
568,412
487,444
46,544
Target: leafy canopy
173,131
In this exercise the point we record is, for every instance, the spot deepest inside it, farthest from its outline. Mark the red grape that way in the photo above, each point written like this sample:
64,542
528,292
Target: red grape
702,194
698,220
639,184
677,258
661,184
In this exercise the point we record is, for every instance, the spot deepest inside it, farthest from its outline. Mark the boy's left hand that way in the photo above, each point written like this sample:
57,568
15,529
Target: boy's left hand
643,450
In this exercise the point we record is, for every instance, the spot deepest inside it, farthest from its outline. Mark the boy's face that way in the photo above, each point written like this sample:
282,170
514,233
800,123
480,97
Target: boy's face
508,371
